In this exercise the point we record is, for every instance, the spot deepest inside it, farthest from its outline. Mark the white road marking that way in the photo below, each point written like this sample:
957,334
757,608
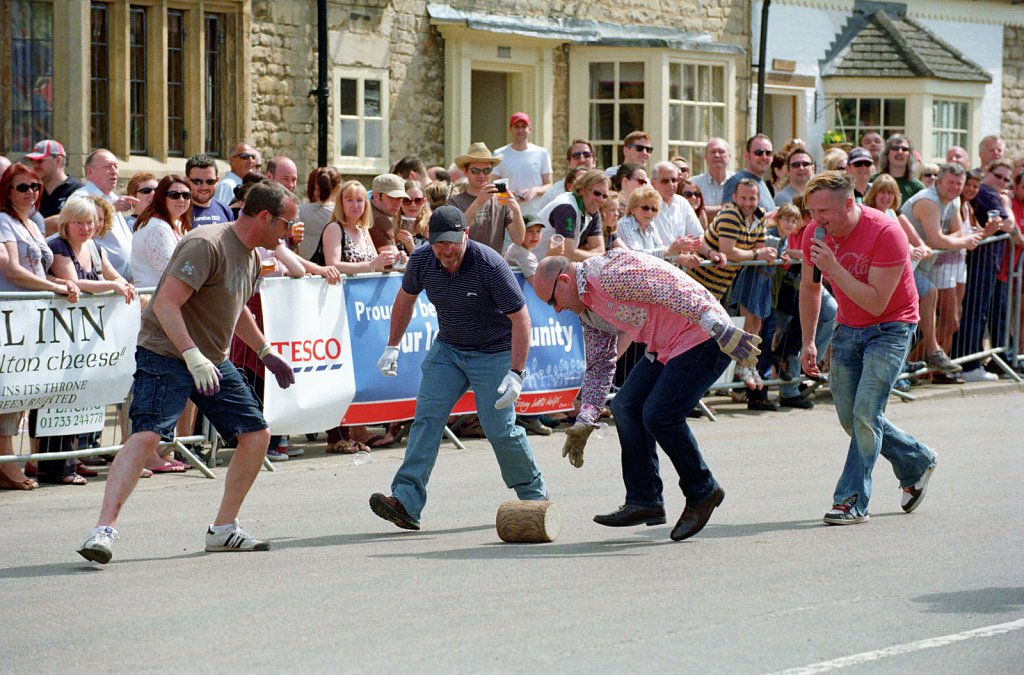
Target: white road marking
907,648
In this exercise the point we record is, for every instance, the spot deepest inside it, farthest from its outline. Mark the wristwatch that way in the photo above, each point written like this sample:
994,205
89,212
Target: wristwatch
520,373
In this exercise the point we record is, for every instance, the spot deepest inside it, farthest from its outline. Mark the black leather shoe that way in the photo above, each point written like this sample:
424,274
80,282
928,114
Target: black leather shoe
796,402
627,515
695,517
762,404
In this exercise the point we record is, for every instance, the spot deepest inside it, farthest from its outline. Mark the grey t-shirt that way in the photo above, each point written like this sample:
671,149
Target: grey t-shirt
223,273
490,223
33,252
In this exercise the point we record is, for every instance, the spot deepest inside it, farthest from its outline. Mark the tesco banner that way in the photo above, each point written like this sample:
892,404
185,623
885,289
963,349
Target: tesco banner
554,369
305,321
60,355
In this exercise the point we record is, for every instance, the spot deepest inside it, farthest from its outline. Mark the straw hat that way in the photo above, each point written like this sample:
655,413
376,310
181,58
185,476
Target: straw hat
478,153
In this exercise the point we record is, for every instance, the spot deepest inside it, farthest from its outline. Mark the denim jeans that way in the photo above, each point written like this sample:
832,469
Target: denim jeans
822,338
650,409
447,374
865,365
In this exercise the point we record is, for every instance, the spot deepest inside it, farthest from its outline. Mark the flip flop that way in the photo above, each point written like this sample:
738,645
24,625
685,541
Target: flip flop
173,466
9,484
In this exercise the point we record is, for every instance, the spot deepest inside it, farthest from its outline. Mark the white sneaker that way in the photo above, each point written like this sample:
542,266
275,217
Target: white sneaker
233,539
979,375
97,547
913,496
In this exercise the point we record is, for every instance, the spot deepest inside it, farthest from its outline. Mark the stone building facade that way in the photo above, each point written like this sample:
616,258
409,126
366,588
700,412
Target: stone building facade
1012,123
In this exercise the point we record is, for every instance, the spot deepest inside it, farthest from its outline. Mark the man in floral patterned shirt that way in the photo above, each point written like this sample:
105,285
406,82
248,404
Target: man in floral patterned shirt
690,339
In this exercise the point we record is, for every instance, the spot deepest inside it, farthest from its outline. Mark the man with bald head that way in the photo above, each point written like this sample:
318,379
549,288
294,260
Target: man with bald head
101,173
689,338
873,143
282,170
243,159
957,155
712,181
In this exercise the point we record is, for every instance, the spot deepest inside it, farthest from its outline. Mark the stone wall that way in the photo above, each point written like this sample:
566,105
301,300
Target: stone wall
398,34
1012,126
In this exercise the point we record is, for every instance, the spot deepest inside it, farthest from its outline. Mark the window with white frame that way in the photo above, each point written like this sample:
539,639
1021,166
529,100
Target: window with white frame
616,105
361,112
950,125
858,116
696,109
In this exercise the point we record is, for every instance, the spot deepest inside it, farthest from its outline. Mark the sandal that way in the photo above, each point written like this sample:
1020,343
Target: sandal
83,470
342,447
12,484
70,479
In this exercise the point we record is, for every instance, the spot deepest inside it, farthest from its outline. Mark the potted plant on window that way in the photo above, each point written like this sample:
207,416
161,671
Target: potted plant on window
835,138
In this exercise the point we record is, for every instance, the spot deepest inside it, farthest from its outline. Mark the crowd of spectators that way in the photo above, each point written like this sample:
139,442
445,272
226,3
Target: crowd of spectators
704,223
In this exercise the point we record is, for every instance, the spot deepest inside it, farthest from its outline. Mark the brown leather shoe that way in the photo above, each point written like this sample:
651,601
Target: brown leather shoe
695,517
389,508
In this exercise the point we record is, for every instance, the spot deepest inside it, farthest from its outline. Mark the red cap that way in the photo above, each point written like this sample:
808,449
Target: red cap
44,149
519,117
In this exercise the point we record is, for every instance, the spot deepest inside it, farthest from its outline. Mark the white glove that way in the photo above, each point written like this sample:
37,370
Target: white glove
510,388
204,373
388,362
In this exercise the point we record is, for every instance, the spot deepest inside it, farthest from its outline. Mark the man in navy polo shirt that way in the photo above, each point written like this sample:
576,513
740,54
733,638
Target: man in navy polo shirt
482,342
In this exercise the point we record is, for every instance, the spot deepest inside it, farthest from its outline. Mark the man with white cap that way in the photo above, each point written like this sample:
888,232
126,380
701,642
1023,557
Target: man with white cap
388,193
49,160
488,215
482,342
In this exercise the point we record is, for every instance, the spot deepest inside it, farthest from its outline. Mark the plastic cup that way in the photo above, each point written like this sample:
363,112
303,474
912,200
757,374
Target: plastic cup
269,265
502,186
993,214
361,457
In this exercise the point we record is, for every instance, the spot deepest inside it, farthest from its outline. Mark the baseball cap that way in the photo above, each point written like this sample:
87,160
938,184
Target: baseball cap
447,224
858,154
44,149
519,117
389,184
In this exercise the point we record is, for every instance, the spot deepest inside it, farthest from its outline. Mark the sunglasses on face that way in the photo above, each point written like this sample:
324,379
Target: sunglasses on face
200,181
551,300
648,208
175,195
145,191
289,224
690,194
246,155
598,193
899,148
582,154
641,148
1005,177
476,171
414,200
800,165
761,153
929,175
862,163
639,181
25,187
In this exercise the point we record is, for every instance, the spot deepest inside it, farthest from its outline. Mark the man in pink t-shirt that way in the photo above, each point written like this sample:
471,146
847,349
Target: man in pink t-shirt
689,338
864,256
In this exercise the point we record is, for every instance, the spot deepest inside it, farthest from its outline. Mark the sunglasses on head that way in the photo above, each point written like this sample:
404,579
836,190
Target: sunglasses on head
761,152
175,195
476,171
579,154
145,190
200,181
25,187
641,148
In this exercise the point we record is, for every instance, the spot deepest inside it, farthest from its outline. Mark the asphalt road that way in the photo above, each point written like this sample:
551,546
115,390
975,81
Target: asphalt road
765,587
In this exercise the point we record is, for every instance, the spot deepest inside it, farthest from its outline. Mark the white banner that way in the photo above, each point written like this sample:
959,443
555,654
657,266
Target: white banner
60,355
306,322
72,421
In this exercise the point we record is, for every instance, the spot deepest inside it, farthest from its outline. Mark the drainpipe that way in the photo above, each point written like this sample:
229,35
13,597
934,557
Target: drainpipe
323,86
762,48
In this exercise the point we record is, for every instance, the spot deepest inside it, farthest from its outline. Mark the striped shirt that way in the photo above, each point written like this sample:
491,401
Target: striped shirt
731,224
472,304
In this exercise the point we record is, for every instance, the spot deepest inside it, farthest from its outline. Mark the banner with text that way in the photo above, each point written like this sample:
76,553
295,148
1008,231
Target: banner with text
60,355
554,369
305,321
